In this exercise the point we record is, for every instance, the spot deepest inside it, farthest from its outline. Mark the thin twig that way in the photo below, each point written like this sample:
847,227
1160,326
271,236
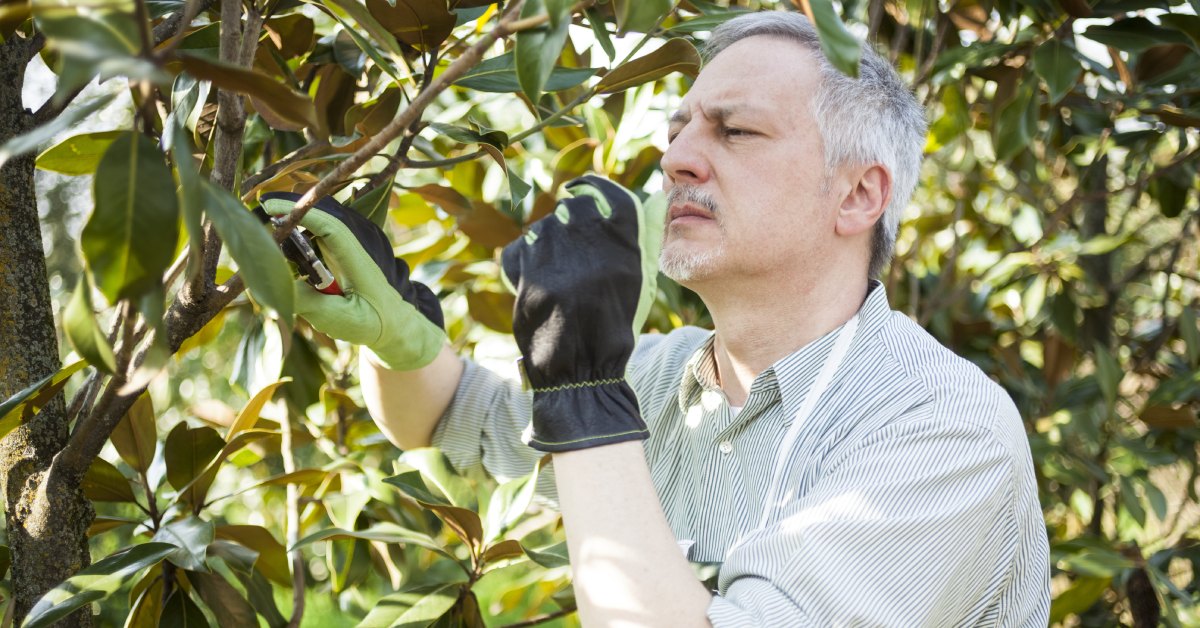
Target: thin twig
541,619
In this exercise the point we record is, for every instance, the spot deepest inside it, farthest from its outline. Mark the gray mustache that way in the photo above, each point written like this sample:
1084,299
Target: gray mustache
688,194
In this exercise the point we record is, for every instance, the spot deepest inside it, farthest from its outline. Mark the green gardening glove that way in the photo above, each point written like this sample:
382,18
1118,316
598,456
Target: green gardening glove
380,308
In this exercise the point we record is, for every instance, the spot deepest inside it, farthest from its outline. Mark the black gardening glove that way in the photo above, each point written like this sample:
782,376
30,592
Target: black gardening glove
579,275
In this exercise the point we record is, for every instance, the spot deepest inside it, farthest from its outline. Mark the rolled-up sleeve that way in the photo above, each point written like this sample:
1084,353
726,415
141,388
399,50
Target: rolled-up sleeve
913,527
483,426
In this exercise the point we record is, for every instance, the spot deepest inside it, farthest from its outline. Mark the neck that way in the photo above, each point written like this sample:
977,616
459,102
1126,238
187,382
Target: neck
758,327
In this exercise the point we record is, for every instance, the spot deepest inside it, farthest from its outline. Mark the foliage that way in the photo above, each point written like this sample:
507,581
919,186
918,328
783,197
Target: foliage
1053,243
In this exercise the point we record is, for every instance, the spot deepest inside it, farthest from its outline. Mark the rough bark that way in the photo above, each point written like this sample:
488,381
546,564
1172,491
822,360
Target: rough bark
46,520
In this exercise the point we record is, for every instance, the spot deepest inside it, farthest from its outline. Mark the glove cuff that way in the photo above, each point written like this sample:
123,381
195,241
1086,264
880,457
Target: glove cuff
587,414
419,344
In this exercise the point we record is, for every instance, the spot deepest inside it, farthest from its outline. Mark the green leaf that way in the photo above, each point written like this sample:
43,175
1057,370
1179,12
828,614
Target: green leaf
22,406
130,238
374,204
550,557
841,48
99,40
136,436
1057,65
437,472
498,139
83,331
249,415
241,561
272,560
105,483
423,24
1017,124
147,609
639,15
1158,501
1080,596
196,491
430,607
411,484
5,561
31,139
1096,563
600,31
259,259
78,154
95,583
179,611
188,451
1171,190
191,193
1108,374
1134,34
1190,332
267,92
676,55
1187,24
703,23
537,49
191,535
499,75
372,27
226,603
508,504
385,532
414,608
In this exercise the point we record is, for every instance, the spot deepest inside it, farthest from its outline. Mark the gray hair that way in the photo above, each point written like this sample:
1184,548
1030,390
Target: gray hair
872,119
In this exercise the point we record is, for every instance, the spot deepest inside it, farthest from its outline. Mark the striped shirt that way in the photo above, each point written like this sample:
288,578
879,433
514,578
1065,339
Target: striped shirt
911,498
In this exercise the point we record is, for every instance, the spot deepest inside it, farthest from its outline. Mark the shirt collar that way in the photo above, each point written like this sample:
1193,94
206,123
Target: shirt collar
791,375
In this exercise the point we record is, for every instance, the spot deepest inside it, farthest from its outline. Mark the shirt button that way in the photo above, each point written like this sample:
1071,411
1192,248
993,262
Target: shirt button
725,447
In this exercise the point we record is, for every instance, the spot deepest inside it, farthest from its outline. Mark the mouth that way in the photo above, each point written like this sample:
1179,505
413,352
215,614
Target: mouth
688,212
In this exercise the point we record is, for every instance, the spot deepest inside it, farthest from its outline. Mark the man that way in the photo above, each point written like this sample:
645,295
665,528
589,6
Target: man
844,467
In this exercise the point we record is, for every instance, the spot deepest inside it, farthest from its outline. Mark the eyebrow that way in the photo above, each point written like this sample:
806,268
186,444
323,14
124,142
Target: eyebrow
720,113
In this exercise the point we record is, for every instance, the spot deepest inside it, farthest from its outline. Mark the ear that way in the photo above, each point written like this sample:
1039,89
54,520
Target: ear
864,204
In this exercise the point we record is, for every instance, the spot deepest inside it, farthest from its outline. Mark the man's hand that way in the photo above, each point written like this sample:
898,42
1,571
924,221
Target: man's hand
399,320
581,277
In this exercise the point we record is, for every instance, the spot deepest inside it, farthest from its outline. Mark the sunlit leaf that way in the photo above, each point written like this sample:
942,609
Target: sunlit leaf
549,557
272,556
78,154
280,99
676,55
437,472
94,583
105,483
136,436
134,197
191,536
250,413
83,330
508,504
1082,594
385,532
20,407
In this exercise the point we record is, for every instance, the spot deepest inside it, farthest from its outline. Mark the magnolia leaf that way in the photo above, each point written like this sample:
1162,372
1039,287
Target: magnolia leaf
196,491
129,241
94,583
493,309
250,413
188,451
437,472
1058,67
423,24
78,154
504,549
676,55
508,504
22,406
841,48
259,259
1017,124
412,608
83,331
191,535
272,556
383,532
639,15
136,436
549,557
227,604
282,101
179,611
105,483
499,74
537,49
147,610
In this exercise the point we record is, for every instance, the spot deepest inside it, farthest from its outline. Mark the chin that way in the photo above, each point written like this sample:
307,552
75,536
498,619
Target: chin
686,267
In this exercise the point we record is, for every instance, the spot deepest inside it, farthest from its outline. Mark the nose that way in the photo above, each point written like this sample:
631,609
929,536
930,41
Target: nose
685,160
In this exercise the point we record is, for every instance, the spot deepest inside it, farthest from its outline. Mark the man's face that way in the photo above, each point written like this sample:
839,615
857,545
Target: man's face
744,168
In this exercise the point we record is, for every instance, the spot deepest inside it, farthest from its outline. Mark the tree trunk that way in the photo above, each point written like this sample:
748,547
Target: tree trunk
46,520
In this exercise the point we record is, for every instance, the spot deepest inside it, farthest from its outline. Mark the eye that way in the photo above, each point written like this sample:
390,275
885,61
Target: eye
729,131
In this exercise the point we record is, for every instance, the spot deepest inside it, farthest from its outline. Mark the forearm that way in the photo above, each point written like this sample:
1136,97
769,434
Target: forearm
406,405
627,567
